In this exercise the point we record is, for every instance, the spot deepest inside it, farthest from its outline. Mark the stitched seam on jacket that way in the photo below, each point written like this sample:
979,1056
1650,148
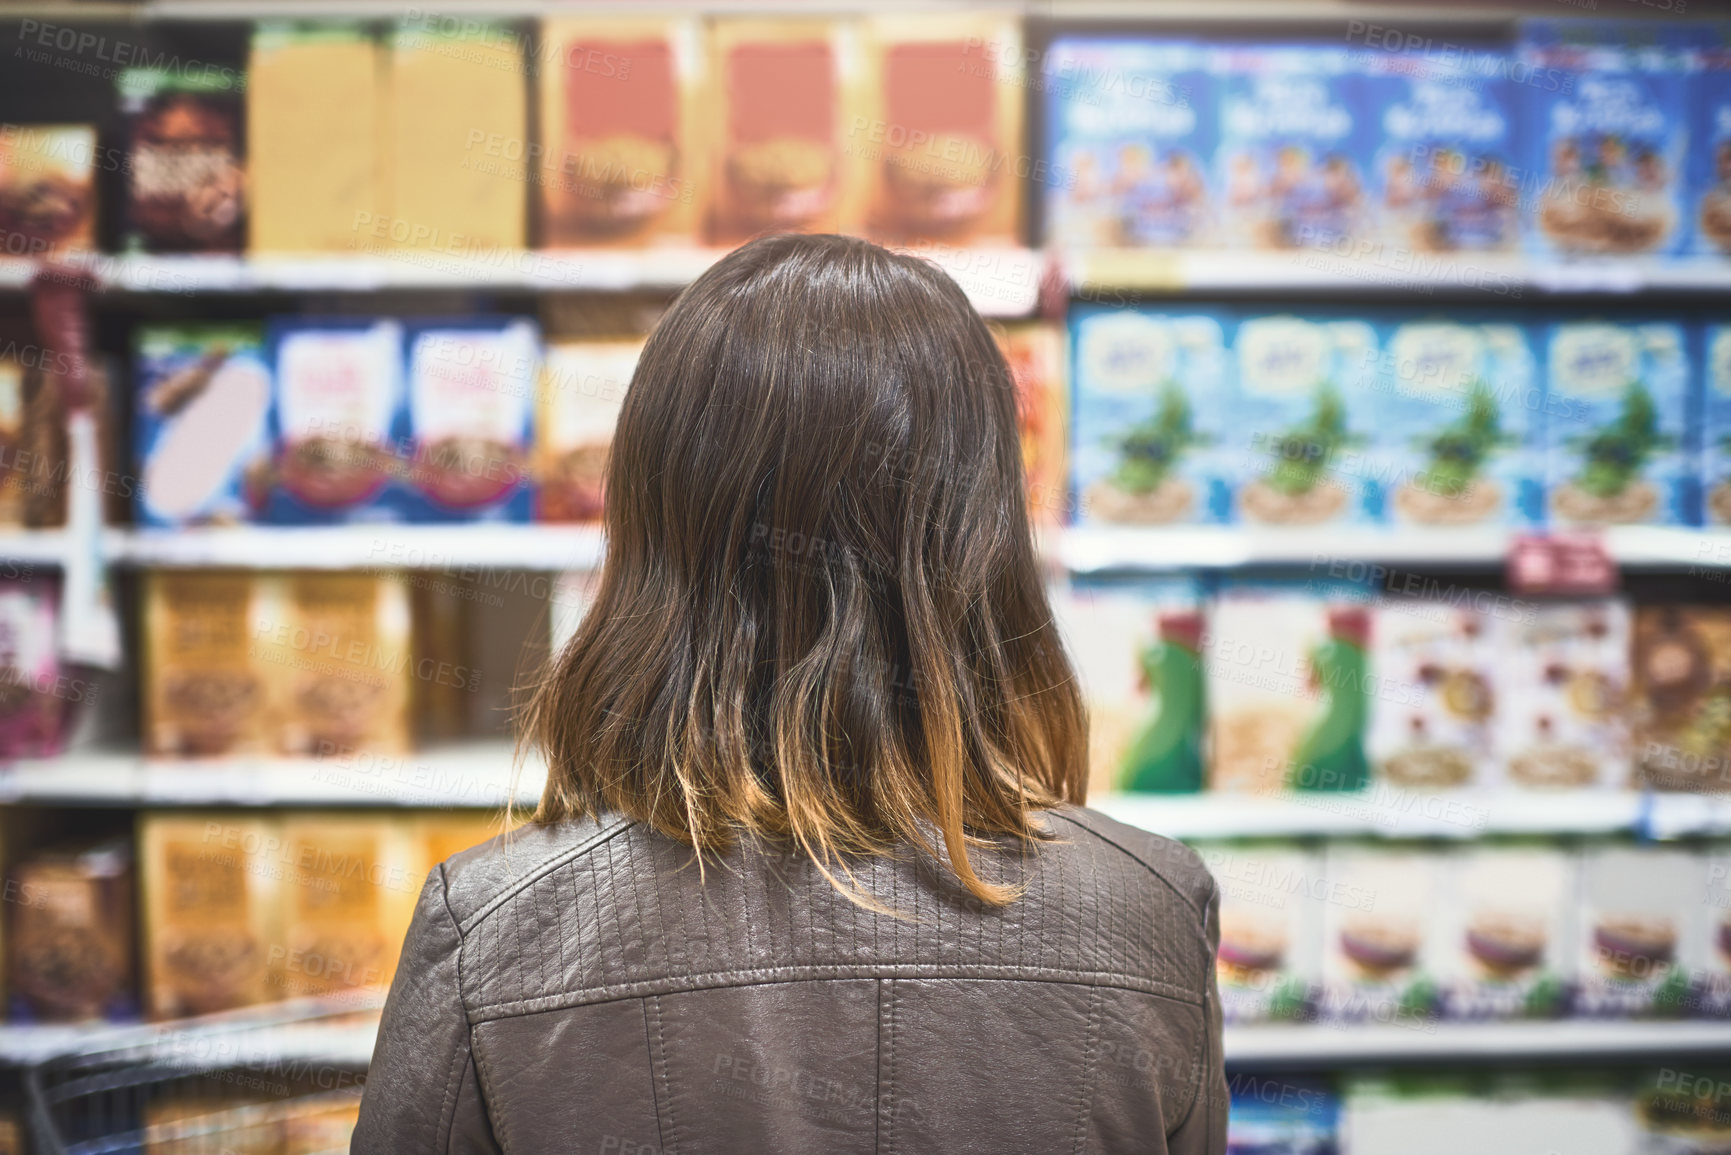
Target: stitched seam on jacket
543,869
654,1087
740,978
501,1126
667,1083
895,1026
1196,1057
1090,1051
446,1122
1137,858
878,1073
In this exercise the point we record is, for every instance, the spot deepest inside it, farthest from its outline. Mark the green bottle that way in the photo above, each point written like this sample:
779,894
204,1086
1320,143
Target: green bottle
1331,756
1166,757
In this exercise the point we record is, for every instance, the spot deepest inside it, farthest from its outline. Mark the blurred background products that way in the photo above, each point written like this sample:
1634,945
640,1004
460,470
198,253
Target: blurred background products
1373,383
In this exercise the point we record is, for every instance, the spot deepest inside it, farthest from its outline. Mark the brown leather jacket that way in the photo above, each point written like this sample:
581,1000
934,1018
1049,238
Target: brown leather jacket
577,988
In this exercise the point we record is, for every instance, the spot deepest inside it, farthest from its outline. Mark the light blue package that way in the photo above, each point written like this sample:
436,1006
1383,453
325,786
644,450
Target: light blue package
1459,417
1617,403
1716,424
200,433
1151,417
1304,414
1710,150
470,385
1130,126
337,421
1606,146
1296,141
1445,177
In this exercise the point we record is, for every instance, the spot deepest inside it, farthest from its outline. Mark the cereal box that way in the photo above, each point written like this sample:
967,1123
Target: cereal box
205,690
1458,423
348,893
1710,961
1432,716
454,137
1272,897
621,160
941,131
582,391
1154,423
1681,708
1715,426
336,648
471,400
1130,130
186,186
786,93
14,468
1564,676
37,699
1296,139
1638,904
69,942
339,393
1606,138
1281,1114
1303,410
1504,948
1137,647
1445,177
47,189
201,424
1036,356
1287,685
1380,934
1616,422
1710,141
209,884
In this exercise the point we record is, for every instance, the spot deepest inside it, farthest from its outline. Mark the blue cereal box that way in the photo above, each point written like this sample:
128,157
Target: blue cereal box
1130,125
471,397
1606,144
1296,138
201,434
1303,420
1459,413
1445,174
1616,421
1716,425
1152,418
1710,149
339,396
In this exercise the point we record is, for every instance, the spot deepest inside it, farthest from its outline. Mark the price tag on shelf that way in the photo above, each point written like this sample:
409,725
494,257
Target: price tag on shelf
1575,564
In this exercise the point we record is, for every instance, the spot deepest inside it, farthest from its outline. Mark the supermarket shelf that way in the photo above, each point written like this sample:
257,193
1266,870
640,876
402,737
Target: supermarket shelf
477,774
350,1045
457,551
1092,550
1391,812
1325,1045
1103,274
1001,281
33,547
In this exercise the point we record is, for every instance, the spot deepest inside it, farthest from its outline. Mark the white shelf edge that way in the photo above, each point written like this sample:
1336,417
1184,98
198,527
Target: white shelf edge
1346,1043
1322,1044
1000,280
457,550
472,775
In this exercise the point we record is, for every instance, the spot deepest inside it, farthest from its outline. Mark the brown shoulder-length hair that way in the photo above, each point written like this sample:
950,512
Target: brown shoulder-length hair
820,616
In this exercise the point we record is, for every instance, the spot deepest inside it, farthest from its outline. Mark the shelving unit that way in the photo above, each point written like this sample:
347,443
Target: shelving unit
350,1045
1001,281
481,775
460,549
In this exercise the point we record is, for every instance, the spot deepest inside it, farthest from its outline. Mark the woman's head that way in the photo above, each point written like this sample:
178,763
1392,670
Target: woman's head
820,615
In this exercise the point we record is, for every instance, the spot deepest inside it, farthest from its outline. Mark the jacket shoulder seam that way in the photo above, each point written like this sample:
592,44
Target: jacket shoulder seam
1189,903
609,830
446,1122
